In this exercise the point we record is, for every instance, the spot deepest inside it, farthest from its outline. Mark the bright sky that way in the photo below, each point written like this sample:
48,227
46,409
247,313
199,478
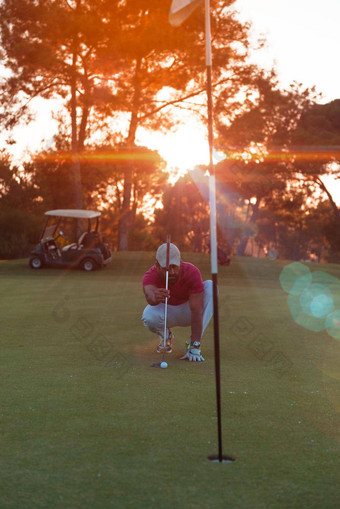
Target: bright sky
303,41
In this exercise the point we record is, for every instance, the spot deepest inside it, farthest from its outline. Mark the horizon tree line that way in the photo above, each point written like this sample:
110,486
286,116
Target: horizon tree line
112,60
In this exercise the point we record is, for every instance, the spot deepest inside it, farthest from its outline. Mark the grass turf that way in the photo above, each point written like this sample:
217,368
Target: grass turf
86,422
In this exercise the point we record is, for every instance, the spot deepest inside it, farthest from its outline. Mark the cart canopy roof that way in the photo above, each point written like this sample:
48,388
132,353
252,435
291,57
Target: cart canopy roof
76,213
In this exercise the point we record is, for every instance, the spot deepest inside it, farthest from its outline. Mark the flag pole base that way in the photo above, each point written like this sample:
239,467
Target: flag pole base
221,459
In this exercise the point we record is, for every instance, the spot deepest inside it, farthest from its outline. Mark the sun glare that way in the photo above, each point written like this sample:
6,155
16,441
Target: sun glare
182,150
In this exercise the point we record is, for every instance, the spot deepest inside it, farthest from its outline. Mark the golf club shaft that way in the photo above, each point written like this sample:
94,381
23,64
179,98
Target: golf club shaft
166,309
166,287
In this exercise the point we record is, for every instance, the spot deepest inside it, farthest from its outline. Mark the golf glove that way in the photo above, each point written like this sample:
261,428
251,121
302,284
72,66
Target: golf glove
193,354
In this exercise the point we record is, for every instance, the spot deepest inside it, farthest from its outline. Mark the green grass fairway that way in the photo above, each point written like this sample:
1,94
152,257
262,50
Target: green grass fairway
87,423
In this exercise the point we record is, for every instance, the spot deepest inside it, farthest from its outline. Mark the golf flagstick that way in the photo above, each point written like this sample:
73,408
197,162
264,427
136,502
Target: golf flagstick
179,11
213,235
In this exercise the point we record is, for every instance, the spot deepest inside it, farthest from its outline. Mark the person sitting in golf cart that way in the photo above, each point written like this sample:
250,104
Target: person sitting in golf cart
189,301
71,239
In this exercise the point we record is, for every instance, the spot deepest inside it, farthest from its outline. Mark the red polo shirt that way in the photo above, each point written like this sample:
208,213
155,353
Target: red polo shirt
188,282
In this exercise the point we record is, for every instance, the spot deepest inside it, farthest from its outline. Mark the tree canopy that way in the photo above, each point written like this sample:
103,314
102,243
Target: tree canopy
118,65
106,58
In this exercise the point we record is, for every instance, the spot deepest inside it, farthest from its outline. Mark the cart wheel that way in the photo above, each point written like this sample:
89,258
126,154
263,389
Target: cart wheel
88,264
36,262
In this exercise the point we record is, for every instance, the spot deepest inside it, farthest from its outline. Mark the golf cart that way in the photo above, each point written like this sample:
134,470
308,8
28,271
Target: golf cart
83,246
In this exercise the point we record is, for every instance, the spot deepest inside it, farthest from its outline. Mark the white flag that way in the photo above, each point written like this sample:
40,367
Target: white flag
180,10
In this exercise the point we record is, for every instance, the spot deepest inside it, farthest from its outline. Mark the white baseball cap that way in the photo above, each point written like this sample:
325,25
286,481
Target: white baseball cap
174,257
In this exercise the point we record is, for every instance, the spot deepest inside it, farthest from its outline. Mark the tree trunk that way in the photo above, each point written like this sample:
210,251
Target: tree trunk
75,166
331,201
82,129
85,112
241,248
124,221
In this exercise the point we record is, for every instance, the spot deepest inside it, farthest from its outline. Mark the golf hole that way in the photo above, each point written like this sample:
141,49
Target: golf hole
223,459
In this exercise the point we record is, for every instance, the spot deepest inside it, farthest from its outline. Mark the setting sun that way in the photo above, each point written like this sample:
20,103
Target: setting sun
183,149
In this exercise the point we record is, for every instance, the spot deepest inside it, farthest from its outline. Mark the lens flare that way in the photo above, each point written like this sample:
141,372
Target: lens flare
308,321
317,301
295,278
332,324
314,298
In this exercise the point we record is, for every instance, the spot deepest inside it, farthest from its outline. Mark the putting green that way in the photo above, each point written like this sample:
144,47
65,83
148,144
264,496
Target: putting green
86,422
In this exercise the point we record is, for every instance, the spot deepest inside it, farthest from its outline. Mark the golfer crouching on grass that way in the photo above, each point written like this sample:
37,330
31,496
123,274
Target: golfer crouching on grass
189,304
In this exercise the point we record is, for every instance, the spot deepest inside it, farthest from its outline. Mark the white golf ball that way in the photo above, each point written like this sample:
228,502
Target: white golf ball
164,365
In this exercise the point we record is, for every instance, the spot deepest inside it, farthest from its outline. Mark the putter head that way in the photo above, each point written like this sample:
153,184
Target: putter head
162,365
